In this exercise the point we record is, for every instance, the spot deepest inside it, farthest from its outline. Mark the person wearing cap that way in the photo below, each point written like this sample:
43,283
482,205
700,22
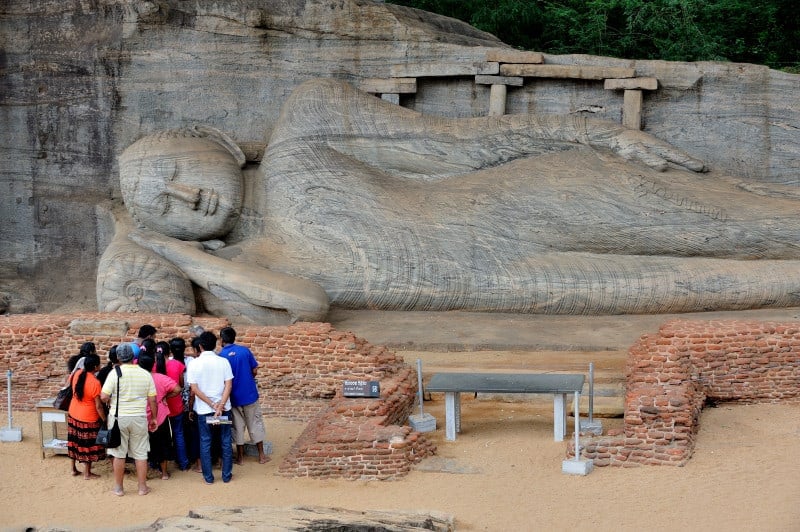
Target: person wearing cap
132,391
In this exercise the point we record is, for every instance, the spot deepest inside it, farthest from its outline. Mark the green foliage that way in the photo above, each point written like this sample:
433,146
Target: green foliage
763,32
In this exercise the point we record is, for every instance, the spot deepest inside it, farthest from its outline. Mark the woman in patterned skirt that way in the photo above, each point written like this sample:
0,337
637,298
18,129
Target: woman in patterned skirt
86,416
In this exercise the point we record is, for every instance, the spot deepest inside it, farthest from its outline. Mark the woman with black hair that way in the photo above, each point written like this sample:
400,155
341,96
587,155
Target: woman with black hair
148,346
160,438
176,370
86,415
112,361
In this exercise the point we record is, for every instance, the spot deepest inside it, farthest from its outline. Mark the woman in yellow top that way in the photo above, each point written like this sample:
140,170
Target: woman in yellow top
86,416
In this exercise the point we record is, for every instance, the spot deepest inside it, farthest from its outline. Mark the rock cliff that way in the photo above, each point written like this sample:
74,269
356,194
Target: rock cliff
83,80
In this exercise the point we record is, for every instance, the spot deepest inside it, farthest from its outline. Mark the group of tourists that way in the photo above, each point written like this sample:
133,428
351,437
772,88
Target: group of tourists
169,406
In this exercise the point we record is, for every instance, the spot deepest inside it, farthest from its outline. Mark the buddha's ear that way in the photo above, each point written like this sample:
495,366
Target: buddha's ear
223,140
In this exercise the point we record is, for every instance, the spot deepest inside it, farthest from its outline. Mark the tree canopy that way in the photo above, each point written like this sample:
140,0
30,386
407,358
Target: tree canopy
746,31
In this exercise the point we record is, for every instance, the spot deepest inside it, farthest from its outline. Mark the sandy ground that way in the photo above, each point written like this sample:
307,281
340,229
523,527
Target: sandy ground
502,473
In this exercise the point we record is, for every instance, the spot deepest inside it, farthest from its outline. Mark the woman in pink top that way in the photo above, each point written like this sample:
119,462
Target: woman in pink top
160,439
175,371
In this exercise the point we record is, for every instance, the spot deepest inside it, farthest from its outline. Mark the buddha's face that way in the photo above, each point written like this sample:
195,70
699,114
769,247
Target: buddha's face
186,187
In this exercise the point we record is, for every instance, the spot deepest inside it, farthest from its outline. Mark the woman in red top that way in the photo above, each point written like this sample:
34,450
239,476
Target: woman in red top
86,416
166,388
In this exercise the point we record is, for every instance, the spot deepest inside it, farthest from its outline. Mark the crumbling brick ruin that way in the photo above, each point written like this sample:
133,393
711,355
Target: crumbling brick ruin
672,374
301,371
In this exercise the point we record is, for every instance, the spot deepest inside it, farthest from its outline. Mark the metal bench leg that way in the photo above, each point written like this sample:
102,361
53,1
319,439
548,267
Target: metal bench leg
559,416
458,413
452,414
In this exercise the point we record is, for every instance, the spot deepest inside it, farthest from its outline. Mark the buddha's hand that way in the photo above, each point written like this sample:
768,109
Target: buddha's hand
641,147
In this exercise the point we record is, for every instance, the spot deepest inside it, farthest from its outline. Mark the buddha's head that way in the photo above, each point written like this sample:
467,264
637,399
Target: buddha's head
184,183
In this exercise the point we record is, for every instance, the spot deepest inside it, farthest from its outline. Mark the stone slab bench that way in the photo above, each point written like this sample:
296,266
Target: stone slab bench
453,384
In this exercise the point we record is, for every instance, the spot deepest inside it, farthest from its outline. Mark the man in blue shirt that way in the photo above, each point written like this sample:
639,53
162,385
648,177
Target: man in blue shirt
244,395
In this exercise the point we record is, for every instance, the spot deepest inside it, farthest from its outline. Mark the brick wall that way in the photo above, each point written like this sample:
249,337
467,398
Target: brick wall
670,376
301,369
36,347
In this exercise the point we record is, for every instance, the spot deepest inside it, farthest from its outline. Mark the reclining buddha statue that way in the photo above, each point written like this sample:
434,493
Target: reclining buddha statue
363,204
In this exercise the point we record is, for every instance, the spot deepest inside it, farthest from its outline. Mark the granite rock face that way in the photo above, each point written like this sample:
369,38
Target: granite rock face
83,81
307,518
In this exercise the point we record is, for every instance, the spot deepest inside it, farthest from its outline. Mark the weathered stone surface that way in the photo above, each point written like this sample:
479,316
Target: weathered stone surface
514,56
134,279
497,100
434,70
384,208
565,71
308,518
649,84
99,327
84,81
488,69
499,80
632,109
391,85
391,98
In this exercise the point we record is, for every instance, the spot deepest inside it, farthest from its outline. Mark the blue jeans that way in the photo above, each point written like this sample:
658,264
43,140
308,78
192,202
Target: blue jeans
176,422
205,447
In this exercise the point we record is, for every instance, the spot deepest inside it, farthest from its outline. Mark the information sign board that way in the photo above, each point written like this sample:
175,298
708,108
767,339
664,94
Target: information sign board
361,388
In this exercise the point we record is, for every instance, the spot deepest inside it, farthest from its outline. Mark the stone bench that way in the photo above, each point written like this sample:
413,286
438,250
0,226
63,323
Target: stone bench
452,384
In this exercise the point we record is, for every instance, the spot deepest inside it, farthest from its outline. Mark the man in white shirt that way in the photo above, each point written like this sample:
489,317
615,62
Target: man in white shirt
210,378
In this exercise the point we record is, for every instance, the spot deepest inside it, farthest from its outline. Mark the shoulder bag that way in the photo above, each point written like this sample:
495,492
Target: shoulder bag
111,438
64,397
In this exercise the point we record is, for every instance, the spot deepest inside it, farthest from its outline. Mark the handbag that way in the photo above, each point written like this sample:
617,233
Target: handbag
64,397
111,438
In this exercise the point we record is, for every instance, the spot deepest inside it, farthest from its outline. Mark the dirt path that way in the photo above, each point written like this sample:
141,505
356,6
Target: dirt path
502,473
504,470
